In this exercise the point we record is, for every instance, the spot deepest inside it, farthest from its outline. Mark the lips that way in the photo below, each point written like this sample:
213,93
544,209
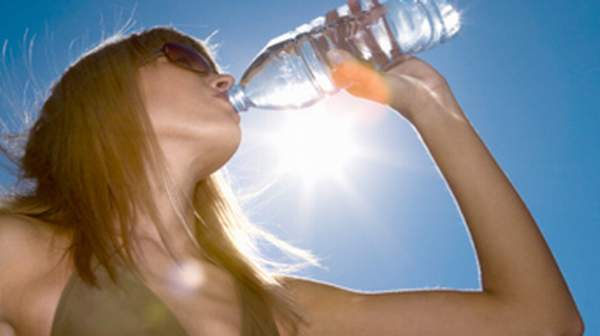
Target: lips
225,97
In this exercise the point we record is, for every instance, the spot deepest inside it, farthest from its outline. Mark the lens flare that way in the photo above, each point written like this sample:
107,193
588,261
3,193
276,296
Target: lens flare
187,277
361,80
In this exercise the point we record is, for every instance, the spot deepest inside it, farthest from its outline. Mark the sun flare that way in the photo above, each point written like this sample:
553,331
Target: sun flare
314,145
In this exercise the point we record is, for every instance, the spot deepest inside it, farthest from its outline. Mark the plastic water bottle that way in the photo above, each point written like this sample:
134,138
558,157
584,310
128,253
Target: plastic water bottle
292,71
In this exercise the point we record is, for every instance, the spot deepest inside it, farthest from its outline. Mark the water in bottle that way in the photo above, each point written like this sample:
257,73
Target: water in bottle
292,71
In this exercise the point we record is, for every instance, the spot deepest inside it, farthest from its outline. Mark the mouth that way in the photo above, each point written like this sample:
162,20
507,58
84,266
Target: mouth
222,95
225,97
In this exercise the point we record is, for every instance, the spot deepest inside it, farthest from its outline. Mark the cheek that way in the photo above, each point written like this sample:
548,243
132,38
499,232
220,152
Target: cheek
179,106
170,96
167,87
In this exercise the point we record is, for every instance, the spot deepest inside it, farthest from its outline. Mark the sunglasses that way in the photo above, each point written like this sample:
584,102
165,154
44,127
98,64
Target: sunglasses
185,57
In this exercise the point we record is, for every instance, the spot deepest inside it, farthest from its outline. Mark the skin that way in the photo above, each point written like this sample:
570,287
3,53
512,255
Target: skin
197,131
523,291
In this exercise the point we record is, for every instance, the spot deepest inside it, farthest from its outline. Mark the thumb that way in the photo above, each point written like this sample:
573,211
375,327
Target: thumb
338,56
358,78
339,60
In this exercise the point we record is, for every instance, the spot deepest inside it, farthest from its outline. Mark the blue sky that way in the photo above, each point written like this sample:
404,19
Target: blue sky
527,73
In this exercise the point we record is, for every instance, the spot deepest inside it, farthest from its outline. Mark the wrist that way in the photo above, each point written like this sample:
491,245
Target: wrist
434,116
420,103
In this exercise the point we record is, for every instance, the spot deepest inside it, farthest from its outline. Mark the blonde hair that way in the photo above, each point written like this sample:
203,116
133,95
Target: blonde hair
89,154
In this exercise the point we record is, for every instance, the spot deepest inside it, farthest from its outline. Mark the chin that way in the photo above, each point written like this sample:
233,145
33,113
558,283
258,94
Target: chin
227,148
236,137
215,146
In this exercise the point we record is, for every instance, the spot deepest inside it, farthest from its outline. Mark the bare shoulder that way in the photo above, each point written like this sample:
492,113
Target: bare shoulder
23,237
18,239
325,305
311,291
23,232
27,229
25,244
14,235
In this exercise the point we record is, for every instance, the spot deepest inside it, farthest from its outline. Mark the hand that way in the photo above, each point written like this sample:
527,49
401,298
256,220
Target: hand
412,87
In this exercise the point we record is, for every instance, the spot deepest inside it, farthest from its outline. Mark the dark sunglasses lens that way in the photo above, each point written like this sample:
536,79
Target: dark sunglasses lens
186,57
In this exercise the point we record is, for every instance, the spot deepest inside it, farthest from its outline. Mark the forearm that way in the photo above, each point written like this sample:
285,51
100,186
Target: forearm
516,264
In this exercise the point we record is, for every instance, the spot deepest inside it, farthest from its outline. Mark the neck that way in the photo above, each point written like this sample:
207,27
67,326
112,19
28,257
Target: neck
175,210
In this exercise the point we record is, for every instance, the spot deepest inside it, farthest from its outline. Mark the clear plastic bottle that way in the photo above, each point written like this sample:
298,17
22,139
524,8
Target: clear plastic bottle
292,71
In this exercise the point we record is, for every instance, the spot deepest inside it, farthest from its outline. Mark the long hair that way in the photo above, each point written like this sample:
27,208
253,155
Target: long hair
88,156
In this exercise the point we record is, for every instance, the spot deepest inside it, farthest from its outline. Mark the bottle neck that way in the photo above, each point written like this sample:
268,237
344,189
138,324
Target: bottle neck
238,98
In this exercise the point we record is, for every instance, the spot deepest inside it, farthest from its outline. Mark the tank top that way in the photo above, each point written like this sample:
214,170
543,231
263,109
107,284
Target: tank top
125,308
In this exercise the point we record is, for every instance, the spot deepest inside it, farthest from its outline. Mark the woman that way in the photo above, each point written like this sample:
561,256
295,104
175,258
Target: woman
130,228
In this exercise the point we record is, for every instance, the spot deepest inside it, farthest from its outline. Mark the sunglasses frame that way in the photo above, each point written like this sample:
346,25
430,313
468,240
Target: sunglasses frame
196,57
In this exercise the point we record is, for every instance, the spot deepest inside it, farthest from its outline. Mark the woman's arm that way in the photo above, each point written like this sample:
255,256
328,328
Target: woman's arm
523,290
516,265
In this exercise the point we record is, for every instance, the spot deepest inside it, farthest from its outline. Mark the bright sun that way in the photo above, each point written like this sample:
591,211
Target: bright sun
323,149
314,145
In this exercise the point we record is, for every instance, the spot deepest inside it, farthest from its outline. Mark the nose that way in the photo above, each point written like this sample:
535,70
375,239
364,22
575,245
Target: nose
222,82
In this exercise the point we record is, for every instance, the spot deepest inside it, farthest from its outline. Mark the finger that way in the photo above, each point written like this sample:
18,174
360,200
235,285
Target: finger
358,79
372,87
337,57
366,36
337,33
395,53
378,56
331,16
354,6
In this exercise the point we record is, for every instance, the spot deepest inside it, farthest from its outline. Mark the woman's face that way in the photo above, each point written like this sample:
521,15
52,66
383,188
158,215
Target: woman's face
190,113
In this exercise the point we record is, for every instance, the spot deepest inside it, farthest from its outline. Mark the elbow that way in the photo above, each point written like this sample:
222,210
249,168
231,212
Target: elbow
553,325
578,327
574,327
